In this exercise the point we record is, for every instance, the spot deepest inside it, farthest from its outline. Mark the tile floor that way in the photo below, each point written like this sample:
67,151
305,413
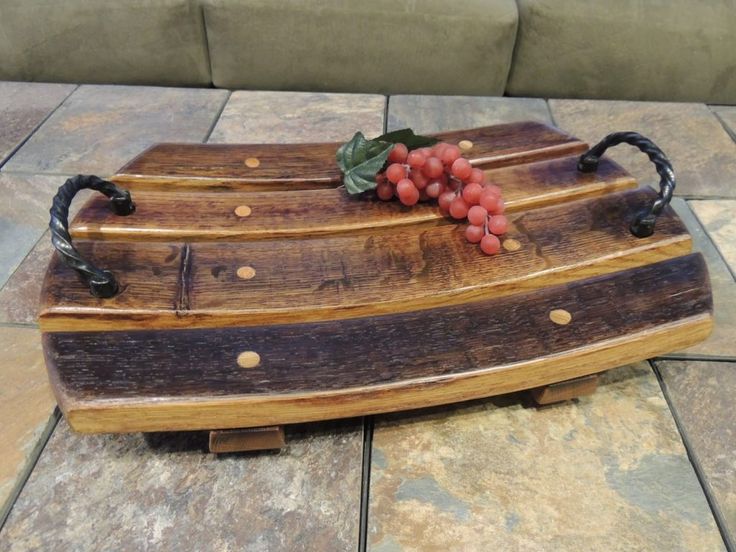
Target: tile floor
646,463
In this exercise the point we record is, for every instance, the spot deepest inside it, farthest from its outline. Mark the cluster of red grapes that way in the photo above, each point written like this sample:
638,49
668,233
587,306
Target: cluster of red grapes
440,172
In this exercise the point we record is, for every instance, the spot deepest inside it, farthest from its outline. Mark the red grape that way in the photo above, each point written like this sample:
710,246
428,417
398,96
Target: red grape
461,168
458,208
477,215
396,172
438,149
419,178
435,188
471,193
474,233
408,193
498,224
476,175
433,167
450,154
445,200
490,245
385,191
489,201
398,153
416,159
493,188
500,207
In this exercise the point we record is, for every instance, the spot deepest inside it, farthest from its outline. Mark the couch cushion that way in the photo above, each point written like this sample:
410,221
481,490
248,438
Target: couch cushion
121,41
681,50
383,46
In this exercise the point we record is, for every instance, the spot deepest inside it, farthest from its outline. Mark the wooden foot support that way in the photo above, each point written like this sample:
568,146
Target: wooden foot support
249,439
565,390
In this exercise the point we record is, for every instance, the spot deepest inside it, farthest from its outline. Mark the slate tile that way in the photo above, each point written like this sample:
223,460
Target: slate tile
281,117
24,106
19,297
702,153
718,218
605,472
721,342
727,115
24,216
427,114
26,407
701,394
99,128
162,492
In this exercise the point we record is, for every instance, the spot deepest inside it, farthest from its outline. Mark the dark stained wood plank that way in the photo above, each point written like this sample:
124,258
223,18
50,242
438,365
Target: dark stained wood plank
149,278
350,275
165,380
301,213
309,165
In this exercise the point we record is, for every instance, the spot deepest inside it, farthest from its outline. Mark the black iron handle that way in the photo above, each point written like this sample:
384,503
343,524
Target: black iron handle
643,224
102,283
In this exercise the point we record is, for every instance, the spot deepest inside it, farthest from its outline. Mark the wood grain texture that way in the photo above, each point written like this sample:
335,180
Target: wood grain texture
167,380
301,213
565,390
350,275
247,439
309,165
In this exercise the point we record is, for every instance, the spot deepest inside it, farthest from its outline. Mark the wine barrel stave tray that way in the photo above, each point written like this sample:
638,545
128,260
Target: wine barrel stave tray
252,291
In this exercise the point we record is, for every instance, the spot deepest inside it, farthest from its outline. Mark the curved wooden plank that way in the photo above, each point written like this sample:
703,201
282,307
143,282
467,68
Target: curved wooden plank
301,213
354,274
190,379
313,165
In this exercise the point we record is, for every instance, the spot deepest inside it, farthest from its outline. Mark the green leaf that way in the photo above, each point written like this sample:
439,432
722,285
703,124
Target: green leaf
407,137
360,161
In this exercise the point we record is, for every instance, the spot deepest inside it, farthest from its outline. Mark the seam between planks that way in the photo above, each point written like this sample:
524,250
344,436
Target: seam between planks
183,292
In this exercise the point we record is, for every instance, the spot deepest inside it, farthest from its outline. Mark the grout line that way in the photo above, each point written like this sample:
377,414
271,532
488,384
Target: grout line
695,358
35,129
726,128
217,117
713,242
549,111
365,483
35,173
25,474
28,254
18,325
697,467
688,197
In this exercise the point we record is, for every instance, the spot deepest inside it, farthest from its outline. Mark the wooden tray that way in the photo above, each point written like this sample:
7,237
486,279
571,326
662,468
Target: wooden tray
254,292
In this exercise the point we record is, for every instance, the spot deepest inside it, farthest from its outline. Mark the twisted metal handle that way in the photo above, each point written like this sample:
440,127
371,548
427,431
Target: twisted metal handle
643,224
102,283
